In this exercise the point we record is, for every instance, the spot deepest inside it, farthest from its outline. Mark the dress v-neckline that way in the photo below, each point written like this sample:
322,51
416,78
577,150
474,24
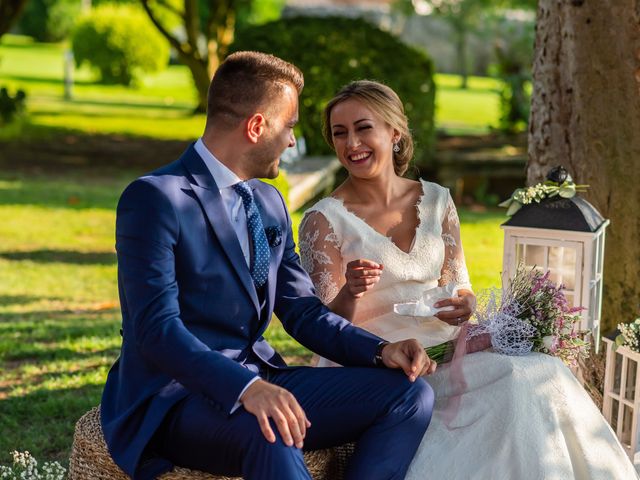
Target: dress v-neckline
381,235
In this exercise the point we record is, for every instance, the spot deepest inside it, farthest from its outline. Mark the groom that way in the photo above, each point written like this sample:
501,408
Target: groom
205,256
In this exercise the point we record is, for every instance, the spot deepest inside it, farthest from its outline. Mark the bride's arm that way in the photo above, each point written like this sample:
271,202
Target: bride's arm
321,258
454,269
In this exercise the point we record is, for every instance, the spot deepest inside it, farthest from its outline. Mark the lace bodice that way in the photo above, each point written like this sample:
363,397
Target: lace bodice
331,236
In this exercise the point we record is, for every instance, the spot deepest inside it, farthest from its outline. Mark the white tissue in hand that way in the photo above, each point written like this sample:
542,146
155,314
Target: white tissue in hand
424,307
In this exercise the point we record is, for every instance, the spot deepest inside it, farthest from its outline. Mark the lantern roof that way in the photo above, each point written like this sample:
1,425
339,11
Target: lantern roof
557,213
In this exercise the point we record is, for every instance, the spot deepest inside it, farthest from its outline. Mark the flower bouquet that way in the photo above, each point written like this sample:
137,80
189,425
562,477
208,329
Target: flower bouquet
532,314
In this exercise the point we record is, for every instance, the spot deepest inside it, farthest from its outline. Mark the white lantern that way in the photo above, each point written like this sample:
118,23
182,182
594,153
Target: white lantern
564,236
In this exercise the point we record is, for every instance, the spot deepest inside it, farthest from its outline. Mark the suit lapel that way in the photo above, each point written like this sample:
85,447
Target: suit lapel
205,188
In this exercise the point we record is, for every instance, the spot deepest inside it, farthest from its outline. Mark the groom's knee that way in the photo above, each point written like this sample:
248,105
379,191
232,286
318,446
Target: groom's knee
272,460
419,401
255,440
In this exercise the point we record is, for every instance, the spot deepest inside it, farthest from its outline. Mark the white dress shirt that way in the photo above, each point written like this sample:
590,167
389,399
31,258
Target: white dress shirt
225,179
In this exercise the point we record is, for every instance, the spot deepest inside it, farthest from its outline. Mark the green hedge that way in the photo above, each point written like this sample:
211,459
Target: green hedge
120,42
332,51
281,183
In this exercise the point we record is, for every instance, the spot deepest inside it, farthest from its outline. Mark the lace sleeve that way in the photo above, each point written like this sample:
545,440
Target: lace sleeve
320,255
454,268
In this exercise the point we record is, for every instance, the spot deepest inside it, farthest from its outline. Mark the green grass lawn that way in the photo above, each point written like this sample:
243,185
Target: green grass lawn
59,312
161,105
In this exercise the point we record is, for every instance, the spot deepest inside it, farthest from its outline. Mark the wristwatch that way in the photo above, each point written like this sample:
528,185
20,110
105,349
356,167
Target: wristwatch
377,360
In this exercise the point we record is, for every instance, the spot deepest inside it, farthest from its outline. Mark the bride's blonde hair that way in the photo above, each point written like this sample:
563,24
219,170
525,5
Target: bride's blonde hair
386,103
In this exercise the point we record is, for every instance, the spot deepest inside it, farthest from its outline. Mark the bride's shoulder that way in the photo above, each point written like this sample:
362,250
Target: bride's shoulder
434,191
322,206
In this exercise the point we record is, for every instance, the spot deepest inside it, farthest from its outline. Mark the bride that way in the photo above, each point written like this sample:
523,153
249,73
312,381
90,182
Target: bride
381,239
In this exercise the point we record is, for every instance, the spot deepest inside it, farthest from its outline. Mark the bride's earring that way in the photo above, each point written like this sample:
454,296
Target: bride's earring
396,147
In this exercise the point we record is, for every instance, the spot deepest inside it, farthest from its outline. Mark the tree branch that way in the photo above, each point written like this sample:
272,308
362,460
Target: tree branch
173,41
171,8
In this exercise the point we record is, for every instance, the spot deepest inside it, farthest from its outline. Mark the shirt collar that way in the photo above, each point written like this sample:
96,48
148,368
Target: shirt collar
222,175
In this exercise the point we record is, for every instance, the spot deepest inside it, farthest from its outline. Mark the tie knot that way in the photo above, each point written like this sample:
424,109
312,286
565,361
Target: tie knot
243,189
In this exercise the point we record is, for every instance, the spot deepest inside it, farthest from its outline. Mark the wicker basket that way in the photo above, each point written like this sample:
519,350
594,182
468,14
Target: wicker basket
90,459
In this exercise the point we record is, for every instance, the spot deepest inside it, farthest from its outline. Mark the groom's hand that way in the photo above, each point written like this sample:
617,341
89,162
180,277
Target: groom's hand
266,400
410,356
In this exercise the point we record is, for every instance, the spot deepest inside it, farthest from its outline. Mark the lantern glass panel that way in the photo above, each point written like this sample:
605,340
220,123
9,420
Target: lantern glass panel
630,385
614,414
627,422
562,266
570,299
535,256
617,376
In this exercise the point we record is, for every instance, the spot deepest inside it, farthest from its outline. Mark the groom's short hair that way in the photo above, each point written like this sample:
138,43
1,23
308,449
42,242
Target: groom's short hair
246,82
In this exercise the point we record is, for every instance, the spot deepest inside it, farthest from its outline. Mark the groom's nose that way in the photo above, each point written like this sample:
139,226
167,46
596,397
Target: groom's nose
292,140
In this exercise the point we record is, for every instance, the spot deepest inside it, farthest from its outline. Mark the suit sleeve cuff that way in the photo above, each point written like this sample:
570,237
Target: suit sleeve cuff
237,404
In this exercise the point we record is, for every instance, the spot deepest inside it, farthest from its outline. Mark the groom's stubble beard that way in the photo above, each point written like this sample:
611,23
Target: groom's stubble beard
264,160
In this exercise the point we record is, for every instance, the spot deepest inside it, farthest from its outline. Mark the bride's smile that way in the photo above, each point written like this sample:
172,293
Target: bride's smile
363,141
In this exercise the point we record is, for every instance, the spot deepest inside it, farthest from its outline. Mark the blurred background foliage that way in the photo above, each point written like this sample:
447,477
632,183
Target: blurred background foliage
332,51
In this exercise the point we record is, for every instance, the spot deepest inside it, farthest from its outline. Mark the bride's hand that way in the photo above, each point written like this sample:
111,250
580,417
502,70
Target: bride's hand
463,306
361,275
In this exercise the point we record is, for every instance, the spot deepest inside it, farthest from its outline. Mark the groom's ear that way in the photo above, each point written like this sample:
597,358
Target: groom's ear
255,126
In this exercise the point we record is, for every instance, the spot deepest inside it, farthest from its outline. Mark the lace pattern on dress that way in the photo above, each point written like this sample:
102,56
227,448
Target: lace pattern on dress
320,254
454,268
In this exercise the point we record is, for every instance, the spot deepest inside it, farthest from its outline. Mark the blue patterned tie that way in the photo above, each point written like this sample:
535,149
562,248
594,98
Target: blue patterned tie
260,259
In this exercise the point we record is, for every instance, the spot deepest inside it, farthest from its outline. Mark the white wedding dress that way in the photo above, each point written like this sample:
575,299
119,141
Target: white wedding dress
519,418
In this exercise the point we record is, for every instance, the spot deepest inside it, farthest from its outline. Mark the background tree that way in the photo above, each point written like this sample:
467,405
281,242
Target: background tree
463,16
200,31
49,20
513,50
9,12
585,115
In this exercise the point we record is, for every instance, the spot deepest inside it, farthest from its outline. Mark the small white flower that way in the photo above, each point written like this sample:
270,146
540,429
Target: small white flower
549,342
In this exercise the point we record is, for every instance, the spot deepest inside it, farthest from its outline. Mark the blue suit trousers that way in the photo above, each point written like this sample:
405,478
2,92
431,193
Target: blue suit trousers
378,408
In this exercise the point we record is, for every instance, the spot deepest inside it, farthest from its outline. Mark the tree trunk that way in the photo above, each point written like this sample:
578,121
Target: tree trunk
200,72
461,52
9,12
585,115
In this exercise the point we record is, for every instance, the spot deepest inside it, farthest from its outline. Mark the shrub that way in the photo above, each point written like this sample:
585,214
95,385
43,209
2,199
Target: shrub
120,42
333,51
49,20
11,106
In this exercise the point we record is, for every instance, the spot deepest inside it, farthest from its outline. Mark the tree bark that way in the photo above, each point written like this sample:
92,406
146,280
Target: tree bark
9,12
585,115
461,33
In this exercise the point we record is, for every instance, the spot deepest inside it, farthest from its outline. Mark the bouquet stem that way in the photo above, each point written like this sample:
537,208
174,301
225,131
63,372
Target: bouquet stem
441,353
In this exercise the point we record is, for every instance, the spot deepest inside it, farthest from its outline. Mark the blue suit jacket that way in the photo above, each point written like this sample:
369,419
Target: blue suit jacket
191,315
